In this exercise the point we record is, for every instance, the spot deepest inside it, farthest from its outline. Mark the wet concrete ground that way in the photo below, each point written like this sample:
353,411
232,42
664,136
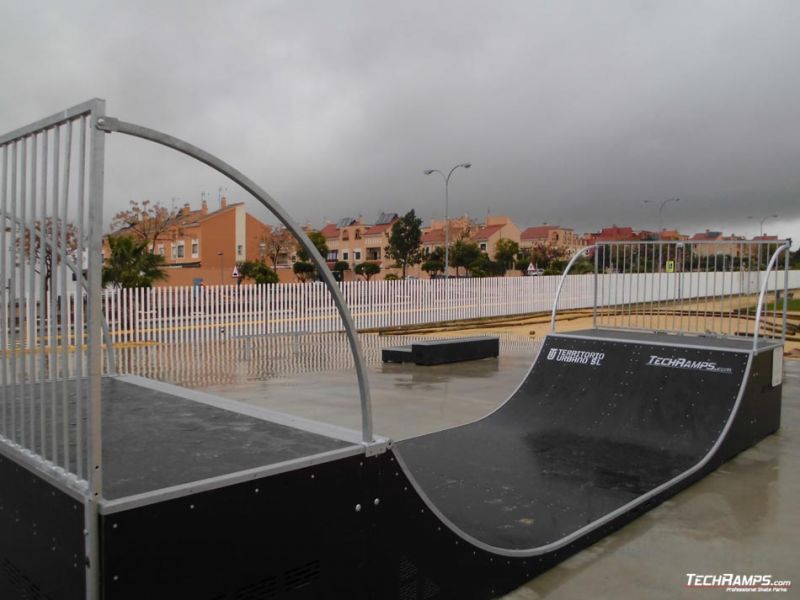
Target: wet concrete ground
408,400
742,519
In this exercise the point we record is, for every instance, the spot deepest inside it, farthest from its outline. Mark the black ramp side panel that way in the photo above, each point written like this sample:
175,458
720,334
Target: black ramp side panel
41,538
594,426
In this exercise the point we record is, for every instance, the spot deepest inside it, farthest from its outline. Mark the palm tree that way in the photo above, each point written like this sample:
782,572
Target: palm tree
130,264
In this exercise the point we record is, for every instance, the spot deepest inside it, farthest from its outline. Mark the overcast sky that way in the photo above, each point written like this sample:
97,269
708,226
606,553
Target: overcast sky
571,112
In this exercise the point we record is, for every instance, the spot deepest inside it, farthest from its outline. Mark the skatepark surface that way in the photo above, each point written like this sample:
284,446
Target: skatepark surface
740,519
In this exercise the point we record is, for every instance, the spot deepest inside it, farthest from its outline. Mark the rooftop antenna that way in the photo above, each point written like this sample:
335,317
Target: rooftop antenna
219,195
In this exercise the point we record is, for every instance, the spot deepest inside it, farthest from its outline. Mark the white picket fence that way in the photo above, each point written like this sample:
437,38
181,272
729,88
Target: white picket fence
186,314
180,314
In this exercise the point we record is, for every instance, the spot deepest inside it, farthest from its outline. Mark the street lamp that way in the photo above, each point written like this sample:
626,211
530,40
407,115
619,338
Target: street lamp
446,178
660,209
221,276
761,223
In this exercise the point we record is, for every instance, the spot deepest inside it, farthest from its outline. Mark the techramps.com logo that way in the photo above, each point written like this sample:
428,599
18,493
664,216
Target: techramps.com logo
580,357
731,582
685,363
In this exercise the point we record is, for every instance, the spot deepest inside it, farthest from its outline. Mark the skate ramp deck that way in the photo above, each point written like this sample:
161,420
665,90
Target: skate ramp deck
599,421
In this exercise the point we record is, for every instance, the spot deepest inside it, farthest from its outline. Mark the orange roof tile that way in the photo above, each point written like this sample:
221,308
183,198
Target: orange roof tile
706,236
536,233
434,236
378,229
484,233
330,231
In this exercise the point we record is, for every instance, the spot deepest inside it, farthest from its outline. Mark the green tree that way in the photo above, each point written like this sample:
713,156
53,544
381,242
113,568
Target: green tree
131,264
433,267
581,266
319,241
257,271
463,254
543,255
483,266
367,270
437,254
405,240
304,270
339,267
505,252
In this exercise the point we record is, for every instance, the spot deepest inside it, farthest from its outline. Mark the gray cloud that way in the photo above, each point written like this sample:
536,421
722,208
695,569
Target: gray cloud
571,112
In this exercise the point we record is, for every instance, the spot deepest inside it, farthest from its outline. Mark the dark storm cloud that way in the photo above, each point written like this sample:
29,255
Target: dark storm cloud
571,112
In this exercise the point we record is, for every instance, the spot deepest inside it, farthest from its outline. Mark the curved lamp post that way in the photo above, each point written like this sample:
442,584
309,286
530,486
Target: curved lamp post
660,210
761,223
446,178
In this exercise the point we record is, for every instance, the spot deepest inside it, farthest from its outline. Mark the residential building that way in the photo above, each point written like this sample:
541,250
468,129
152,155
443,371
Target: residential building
614,233
555,236
494,229
345,240
671,235
202,246
353,241
376,238
722,245
433,236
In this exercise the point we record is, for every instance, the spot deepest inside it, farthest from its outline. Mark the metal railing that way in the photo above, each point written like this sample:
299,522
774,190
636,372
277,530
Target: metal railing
51,201
722,287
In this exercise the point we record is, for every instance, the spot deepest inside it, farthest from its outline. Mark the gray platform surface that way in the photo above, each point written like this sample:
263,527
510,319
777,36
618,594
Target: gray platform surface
154,439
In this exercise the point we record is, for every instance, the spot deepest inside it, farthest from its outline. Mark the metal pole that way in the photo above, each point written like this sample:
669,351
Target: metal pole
447,225
761,223
660,210
446,178
94,355
761,228
785,289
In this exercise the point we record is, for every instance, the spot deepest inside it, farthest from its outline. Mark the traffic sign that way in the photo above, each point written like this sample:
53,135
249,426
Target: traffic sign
235,273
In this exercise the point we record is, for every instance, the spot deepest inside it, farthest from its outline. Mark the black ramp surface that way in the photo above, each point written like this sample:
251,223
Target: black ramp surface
595,425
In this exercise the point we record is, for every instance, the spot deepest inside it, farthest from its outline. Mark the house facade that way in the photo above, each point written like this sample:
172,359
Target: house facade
555,236
494,229
202,246
715,243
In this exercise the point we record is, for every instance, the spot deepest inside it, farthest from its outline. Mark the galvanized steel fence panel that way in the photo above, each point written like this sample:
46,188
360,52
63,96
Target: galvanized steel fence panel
50,208
708,287
51,217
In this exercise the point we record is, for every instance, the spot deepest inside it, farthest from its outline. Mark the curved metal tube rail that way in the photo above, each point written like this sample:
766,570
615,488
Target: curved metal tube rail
561,281
110,124
772,262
